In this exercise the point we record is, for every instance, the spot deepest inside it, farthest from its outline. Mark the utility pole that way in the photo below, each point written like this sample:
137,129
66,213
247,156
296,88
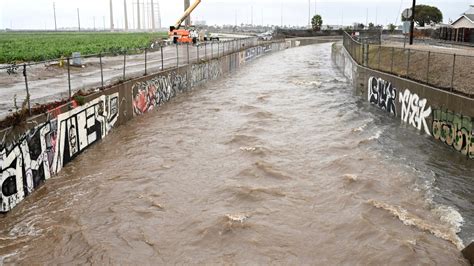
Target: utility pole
412,24
367,18
138,15
251,15
159,13
125,13
111,17
152,16
94,22
376,15
187,22
236,17
54,10
281,14
309,13
103,21
78,20
133,15
146,16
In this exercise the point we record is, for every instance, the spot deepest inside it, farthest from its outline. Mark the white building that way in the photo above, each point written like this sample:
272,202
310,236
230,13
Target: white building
466,20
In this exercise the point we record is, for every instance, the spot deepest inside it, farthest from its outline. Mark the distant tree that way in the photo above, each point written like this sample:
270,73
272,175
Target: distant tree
371,26
391,27
317,22
425,14
359,26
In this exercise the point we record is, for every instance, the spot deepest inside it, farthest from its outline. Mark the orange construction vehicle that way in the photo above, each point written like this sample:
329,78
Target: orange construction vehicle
184,35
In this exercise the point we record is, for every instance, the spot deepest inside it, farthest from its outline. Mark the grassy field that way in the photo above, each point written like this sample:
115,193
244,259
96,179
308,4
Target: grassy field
38,46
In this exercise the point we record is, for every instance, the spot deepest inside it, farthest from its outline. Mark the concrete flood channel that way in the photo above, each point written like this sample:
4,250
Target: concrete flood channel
276,163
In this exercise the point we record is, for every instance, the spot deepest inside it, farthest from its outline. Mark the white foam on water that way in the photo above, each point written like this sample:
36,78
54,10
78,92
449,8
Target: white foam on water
450,216
249,149
377,135
359,129
448,233
350,177
239,217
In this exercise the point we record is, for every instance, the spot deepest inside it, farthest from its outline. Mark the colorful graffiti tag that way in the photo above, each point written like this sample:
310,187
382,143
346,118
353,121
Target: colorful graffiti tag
150,94
455,130
45,149
382,94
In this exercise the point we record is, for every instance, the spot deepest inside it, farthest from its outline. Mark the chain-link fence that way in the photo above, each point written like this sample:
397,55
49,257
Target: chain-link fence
446,71
29,85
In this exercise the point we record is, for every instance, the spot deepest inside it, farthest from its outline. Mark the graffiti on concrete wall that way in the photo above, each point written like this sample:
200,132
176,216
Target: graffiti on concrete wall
147,95
26,164
44,150
414,110
251,54
204,72
348,67
267,48
455,130
382,94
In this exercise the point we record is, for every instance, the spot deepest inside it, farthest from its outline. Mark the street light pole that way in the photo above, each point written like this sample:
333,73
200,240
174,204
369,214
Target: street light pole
412,24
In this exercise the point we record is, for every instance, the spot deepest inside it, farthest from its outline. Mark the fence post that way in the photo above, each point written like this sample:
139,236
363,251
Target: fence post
408,62
162,61
69,79
380,51
187,49
146,50
391,64
101,71
177,55
452,75
218,48
366,54
428,68
27,89
124,63
197,48
212,49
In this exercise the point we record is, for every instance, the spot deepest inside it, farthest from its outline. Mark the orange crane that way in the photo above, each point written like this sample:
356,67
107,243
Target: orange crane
180,35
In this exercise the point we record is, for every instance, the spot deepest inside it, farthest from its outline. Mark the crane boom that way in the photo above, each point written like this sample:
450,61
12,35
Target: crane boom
187,13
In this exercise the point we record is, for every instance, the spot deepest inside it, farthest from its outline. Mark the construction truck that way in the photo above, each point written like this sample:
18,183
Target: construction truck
180,34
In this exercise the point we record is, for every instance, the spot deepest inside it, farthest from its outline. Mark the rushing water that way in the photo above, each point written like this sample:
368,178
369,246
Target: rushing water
276,163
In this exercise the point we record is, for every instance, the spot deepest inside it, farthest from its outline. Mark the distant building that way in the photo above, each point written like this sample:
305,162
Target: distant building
461,30
466,20
331,27
200,23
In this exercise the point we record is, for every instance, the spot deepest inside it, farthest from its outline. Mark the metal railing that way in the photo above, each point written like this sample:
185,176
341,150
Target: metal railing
27,85
451,72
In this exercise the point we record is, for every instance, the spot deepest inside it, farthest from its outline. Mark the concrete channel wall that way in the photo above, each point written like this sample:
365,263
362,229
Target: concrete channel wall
36,150
445,116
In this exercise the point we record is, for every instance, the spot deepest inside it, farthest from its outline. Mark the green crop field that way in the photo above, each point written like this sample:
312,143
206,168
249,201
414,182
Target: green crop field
18,47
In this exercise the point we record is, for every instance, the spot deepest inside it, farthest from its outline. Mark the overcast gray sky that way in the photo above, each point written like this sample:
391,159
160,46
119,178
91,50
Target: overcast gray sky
38,14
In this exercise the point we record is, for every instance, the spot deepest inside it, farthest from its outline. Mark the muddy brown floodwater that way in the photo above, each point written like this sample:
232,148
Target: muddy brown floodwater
277,163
